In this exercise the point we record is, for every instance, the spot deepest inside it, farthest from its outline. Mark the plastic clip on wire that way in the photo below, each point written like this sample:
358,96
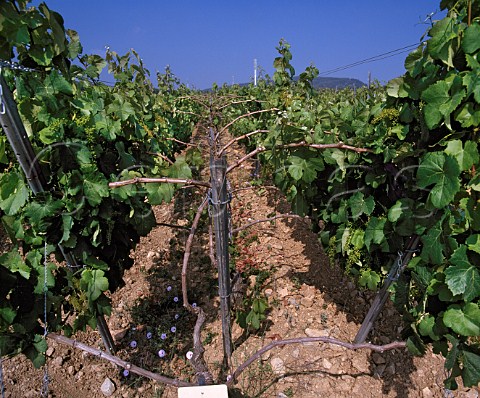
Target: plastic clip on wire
395,271
2,104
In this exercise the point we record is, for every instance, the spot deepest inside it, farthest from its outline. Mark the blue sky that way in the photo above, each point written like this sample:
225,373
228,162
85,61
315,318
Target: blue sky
216,41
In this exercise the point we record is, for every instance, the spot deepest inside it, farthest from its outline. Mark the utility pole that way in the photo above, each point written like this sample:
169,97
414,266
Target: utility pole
255,72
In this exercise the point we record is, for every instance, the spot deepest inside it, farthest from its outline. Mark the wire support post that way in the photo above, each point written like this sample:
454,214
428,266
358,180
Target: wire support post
378,303
219,203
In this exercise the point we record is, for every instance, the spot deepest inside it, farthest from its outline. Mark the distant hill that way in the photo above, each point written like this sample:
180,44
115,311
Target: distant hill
324,82
336,82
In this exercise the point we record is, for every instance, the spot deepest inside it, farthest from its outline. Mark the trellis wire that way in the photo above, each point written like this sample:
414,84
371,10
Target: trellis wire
46,379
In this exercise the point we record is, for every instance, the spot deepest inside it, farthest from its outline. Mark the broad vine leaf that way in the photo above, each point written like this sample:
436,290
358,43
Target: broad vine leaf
95,187
14,262
442,172
158,193
473,243
180,169
462,277
439,46
441,98
8,344
13,193
469,115
426,327
359,205
466,157
304,169
43,283
370,279
121,108
95,283
401,208
56,83
7,314
432,250
470,42
464,321
374,232
39,211
471,369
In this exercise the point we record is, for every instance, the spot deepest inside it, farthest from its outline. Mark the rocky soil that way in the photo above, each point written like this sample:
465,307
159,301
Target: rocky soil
307,296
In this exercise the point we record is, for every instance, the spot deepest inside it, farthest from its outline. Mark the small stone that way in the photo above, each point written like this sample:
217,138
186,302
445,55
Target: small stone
292,301
58,361
306,302
316,332
50,351
119,335
151,254
277,246
360,364
384,339
252,279
278,366
379,370
326,363
296,353
107,388
307,291
71,370
377,358
268,292
282,292
391,369
427,393
281,395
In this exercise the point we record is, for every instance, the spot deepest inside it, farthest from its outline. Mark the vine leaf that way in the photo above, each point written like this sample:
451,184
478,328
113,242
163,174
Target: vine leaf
374,232
426,327
42,282
471,369
466,157
359,205
470,42
432,246
94,283
442,172
158,193
442,98
369,279
13,193
14,262
95,187
462,277
473,242
304,169
439,46
465,322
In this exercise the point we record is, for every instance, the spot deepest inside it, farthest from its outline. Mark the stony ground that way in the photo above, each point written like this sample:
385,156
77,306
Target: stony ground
307,296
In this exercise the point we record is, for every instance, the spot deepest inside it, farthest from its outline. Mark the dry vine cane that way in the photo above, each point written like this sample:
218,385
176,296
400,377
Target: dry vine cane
231,379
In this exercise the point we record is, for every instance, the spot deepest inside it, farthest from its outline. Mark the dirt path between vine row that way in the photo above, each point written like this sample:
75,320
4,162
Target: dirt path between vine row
307,297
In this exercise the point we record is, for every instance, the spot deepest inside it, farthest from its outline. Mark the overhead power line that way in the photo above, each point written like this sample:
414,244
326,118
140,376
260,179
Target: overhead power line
375,58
